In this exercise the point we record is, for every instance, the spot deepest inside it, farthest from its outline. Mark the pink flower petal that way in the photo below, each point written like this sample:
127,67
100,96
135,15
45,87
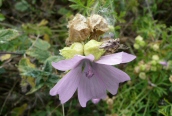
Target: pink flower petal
67,85
95,101
117,58
64,65
111,77
90,88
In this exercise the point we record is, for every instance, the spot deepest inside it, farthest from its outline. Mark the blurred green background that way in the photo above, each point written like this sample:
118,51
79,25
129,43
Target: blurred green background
33,31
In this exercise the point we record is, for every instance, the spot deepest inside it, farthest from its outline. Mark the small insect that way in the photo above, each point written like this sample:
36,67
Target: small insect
112,45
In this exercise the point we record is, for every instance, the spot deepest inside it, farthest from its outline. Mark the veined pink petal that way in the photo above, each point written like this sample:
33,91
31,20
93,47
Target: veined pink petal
90,88
110,76
67,85
64,65
116,58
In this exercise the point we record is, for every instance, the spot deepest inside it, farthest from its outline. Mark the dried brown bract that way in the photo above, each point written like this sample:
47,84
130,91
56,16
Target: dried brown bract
98,26
112,45
78,29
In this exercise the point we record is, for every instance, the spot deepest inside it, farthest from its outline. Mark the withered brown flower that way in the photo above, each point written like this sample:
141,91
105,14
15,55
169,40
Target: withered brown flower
78,29
98,26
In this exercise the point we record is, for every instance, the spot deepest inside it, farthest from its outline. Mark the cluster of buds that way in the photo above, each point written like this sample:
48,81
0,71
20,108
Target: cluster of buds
143,67
153,65
110,101
139,42
154,62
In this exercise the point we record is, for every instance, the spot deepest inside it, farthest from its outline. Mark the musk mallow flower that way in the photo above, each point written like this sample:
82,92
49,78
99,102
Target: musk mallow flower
90,78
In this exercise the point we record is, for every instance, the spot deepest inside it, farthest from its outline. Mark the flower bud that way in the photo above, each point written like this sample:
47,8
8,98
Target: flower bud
136,46
155,57
138,38
148,66
153,62
75,49
142,67
137,69
92,47
142,75
109,101
153,68
170,78
155,47
142,43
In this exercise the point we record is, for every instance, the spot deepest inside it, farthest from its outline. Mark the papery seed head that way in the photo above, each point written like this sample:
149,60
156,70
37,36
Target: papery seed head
78,29
98,25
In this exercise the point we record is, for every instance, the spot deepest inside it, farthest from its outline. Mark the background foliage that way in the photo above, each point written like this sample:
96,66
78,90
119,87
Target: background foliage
33,31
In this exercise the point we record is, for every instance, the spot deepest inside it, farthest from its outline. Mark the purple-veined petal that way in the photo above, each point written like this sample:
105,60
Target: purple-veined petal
64,65
116,58
67,85
90,88
111,77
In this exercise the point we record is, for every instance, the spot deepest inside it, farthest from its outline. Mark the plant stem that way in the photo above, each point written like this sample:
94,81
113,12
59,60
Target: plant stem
63,109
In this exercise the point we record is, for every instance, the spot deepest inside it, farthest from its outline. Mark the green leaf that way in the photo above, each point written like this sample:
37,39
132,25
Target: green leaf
41,44
166,110
19,111
36,29
39,54
25,65
7,35
1,2
2,17
47,64
18,45
22,6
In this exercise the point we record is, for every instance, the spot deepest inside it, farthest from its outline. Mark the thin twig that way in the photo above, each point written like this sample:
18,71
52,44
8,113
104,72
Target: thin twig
11,53
34,42
7,97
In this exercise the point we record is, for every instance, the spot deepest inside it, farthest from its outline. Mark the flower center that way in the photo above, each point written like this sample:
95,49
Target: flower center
89,73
